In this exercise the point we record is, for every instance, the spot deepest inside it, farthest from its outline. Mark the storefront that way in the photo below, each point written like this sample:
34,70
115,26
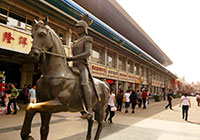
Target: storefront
11,72
14,46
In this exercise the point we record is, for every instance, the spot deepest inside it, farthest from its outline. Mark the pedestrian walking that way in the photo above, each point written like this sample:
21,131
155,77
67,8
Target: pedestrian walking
169,99
25,92
198,99
32,94
133,100
7,93
144,96
119,99
139,95
127,100
111,107
185,102
14,95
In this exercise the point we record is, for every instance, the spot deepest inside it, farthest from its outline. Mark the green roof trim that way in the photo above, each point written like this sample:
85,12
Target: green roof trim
64,7
146,58
130,48
105,32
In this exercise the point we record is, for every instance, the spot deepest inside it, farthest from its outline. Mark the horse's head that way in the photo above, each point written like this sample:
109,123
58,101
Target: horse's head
42,40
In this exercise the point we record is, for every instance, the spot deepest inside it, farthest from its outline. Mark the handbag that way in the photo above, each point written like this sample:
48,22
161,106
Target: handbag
137,102
113,108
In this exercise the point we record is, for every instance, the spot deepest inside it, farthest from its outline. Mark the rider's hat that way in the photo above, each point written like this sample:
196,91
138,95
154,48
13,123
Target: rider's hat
83,24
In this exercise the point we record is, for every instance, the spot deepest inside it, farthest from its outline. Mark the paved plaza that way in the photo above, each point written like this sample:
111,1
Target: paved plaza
153,123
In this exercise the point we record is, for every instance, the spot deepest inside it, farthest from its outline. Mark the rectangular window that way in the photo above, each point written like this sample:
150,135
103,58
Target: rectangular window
29,22
3,16
137,69
130,66
147,72
3,11
156,76
98,55
111,59
29,26
16,20
142,71
122,63
153,75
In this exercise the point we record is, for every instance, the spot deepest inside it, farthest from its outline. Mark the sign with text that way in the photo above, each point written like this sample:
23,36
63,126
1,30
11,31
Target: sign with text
131,78
99,71
112,73
15,40
123,76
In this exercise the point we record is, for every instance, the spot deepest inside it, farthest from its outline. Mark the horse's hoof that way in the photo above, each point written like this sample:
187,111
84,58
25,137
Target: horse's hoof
28,138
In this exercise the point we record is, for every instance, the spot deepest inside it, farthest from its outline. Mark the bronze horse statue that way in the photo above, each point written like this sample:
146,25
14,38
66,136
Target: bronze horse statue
59,89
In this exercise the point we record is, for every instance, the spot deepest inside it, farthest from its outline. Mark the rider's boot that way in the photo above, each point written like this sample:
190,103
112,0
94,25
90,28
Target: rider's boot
88,102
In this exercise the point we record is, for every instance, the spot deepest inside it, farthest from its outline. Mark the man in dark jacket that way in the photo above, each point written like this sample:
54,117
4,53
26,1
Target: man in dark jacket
119,98
169,98
133,100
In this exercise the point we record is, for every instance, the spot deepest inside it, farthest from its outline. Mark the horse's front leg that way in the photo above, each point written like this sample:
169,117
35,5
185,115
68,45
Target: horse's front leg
44,130
26,128
51,106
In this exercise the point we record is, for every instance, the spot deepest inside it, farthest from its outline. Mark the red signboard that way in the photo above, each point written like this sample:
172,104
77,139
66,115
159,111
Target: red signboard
110,81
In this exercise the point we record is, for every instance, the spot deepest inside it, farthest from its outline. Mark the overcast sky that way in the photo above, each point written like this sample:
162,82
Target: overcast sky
174,25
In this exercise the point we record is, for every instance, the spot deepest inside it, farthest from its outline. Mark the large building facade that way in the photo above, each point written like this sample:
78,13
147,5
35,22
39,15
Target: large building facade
114,59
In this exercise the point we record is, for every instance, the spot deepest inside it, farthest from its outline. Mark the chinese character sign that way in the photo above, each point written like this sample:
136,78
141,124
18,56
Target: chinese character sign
23,41
15,40
7,36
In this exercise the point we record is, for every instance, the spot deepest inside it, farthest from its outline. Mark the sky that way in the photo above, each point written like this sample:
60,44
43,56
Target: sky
174,25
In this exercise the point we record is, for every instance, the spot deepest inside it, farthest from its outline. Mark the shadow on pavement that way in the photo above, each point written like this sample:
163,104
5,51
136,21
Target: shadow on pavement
193,122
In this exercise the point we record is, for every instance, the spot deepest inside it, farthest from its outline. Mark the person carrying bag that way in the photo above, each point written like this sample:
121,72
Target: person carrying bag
111,107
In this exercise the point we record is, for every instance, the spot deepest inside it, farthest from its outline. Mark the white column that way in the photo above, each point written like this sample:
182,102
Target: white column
117,59
105,59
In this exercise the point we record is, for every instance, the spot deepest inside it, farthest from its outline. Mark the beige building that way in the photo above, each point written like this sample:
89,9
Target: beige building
122,61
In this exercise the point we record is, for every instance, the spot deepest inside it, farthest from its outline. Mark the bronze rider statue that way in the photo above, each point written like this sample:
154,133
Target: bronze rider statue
81,50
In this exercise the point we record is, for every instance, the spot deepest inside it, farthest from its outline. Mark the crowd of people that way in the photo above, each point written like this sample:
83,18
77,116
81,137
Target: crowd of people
129,98
141,98
9,94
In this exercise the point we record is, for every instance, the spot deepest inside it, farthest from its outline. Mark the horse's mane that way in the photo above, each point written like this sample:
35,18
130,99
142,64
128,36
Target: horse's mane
53,35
